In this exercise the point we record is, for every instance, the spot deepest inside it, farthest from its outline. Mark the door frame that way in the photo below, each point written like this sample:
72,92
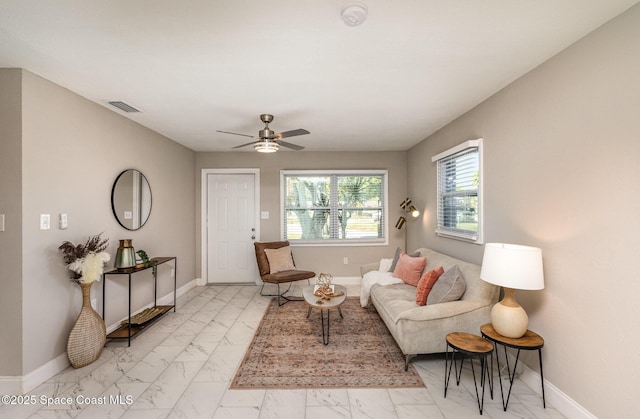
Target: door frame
204,211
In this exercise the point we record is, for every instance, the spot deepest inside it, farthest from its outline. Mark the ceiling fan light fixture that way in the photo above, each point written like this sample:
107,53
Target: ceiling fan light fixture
266,146
268,140
354,14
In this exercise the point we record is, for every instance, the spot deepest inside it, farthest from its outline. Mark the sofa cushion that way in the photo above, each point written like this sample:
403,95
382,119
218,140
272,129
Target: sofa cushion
449,287
409,268
393,300
280,260
425,285
372,278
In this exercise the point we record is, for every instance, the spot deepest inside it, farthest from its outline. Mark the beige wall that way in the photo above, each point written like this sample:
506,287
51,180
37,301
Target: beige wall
11,238
561,170
316,258
72,151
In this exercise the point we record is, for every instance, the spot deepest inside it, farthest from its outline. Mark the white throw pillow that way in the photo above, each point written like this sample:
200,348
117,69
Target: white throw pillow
385,264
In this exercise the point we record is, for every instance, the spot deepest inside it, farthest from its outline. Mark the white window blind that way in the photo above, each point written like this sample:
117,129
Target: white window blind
334,207
459,192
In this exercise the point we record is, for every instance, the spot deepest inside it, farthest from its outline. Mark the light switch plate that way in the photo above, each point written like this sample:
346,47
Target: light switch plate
63,222
45,221
1,222
264,215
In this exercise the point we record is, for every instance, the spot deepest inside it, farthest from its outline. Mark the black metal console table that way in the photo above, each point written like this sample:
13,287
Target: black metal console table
128,330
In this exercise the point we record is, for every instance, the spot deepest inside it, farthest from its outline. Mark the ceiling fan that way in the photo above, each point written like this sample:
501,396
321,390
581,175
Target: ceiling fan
267,140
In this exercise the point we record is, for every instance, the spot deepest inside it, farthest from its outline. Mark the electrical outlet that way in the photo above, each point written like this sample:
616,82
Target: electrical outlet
173,272
345,261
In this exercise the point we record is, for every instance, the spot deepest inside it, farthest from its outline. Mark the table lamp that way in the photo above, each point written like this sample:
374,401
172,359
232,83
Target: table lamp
513,267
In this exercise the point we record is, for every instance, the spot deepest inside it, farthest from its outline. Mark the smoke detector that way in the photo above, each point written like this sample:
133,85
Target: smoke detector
354,14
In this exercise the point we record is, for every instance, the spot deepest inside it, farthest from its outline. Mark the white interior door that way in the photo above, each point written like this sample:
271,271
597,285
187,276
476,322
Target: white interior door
231,227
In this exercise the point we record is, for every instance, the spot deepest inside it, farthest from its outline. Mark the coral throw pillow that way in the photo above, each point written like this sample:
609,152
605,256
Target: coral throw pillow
409,269
280,260
396,256
425,285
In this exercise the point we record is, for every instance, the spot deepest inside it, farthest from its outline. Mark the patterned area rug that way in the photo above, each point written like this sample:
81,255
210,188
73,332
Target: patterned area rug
287,351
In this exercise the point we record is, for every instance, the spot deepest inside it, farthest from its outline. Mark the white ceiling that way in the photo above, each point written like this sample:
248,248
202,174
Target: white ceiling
194,67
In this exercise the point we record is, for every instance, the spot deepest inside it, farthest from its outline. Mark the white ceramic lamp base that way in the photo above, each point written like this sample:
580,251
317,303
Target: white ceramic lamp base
508,318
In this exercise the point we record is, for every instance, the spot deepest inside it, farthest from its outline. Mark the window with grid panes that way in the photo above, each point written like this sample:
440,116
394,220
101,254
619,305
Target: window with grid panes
334,207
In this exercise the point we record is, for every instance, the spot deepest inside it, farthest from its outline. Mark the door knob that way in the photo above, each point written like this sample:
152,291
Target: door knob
253,229
253,237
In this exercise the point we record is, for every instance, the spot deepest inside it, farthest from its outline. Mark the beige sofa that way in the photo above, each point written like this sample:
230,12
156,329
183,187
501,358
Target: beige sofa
423,329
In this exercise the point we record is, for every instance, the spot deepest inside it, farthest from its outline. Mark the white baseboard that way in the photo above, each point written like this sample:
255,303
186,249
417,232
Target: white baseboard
340,280
24,384
559,400
347,280
45,372
10,385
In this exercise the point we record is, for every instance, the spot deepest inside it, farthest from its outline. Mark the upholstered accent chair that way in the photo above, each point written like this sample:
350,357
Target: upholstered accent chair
273,274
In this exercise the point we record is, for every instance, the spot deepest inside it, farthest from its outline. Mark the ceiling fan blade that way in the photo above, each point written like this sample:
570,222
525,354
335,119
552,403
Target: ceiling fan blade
235,133
289,145
291,133
244,145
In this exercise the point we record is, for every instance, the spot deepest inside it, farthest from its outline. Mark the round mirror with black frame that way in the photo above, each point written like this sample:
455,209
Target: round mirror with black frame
131,199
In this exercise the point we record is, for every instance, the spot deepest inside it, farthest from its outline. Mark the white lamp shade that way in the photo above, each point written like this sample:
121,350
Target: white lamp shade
513,266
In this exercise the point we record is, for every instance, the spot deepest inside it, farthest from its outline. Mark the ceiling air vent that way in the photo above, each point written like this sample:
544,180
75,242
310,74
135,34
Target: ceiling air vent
123,106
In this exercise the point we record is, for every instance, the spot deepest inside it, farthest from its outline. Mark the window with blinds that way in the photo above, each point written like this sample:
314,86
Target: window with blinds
459,192
334,207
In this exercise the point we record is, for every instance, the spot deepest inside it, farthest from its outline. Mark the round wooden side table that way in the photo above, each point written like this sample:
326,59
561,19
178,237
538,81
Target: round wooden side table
471,346
531,341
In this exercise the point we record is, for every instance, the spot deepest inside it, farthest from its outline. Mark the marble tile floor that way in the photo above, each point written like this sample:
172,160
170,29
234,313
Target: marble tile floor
181,367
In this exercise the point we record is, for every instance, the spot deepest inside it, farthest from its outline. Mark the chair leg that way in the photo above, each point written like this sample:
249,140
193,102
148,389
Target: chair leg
280,295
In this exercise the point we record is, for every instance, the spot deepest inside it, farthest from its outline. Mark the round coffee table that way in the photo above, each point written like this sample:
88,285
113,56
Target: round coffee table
317,302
